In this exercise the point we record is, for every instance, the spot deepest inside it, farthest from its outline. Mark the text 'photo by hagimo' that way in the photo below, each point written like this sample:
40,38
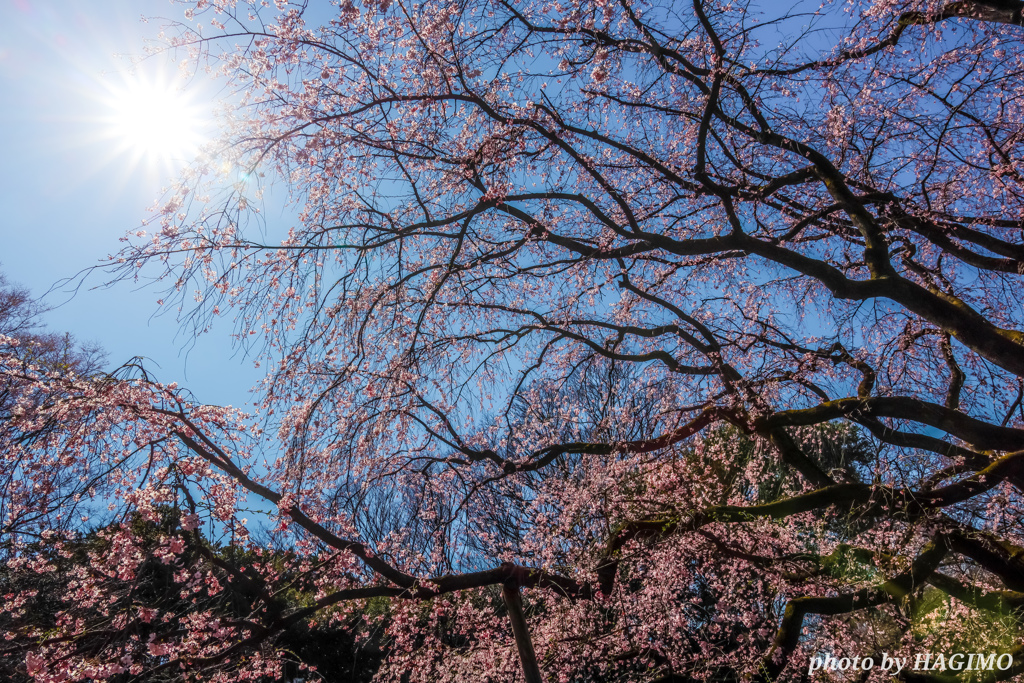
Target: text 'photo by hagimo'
654,341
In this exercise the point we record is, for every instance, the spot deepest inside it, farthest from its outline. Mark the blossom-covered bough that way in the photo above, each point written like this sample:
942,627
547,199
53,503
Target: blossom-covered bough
698,321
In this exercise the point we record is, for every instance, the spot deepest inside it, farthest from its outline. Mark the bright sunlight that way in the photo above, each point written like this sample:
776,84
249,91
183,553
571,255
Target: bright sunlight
155,121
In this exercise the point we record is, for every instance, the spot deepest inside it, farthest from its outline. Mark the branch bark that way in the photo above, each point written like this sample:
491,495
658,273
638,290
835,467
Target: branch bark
521,631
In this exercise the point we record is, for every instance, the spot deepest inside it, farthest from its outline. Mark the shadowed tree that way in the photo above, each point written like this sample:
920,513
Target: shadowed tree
580,303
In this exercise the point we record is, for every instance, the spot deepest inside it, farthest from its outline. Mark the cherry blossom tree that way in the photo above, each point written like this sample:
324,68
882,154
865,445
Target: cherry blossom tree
25,336
27,347
607,341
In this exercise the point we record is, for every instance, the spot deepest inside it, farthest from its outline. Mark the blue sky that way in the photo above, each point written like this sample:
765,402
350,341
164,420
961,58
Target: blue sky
68,193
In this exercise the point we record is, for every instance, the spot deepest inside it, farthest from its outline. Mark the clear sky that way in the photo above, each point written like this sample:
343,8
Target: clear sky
75,176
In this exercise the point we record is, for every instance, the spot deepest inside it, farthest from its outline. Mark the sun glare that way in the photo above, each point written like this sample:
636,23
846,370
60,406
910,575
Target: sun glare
155,121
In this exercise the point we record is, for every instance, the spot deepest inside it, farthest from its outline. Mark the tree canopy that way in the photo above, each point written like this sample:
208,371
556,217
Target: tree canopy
606,341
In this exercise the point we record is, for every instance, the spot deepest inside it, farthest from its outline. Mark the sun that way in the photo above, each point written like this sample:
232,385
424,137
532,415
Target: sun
154,120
